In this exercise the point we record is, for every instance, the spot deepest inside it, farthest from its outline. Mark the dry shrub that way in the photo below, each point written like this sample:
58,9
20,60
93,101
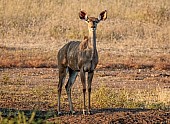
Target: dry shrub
26,58
162,66
111,61
162,62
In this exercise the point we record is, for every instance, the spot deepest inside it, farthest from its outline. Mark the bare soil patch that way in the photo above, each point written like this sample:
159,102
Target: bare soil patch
116,116
36,89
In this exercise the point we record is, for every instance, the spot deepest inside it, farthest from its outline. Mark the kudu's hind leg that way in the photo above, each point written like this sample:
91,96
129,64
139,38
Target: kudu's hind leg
90,77
62,75
71,80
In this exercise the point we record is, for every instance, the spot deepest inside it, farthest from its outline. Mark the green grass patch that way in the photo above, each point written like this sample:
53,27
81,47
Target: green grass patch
131,98
20,118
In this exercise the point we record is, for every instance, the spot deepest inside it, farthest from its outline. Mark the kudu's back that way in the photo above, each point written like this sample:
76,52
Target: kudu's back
68,55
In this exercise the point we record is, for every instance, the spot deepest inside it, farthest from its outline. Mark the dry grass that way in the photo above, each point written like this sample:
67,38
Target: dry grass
110,60
59,19
16,57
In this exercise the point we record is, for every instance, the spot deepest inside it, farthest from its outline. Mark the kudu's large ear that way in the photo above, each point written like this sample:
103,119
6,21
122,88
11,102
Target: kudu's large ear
103,16
83,15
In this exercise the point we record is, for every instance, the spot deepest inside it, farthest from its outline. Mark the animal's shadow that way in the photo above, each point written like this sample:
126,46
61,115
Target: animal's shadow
5,112
112,110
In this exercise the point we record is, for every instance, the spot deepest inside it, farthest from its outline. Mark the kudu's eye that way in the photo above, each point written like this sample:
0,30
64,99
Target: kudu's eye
88,21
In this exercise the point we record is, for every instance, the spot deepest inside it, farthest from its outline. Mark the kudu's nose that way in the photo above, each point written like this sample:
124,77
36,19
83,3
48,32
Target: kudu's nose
93,26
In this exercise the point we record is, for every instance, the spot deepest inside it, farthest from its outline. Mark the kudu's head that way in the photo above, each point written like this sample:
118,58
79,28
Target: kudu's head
92,21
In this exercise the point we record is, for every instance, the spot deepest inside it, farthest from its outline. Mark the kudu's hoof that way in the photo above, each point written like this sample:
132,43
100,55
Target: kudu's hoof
72,112
89,113
60,113
86,112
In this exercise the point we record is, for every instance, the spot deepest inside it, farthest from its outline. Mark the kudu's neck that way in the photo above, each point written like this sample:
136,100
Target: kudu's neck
92,39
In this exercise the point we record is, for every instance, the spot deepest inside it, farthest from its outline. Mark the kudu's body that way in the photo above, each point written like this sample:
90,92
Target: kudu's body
80,57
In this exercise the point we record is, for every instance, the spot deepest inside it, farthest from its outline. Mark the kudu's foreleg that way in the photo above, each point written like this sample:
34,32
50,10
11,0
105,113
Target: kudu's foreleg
83,80
90,77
